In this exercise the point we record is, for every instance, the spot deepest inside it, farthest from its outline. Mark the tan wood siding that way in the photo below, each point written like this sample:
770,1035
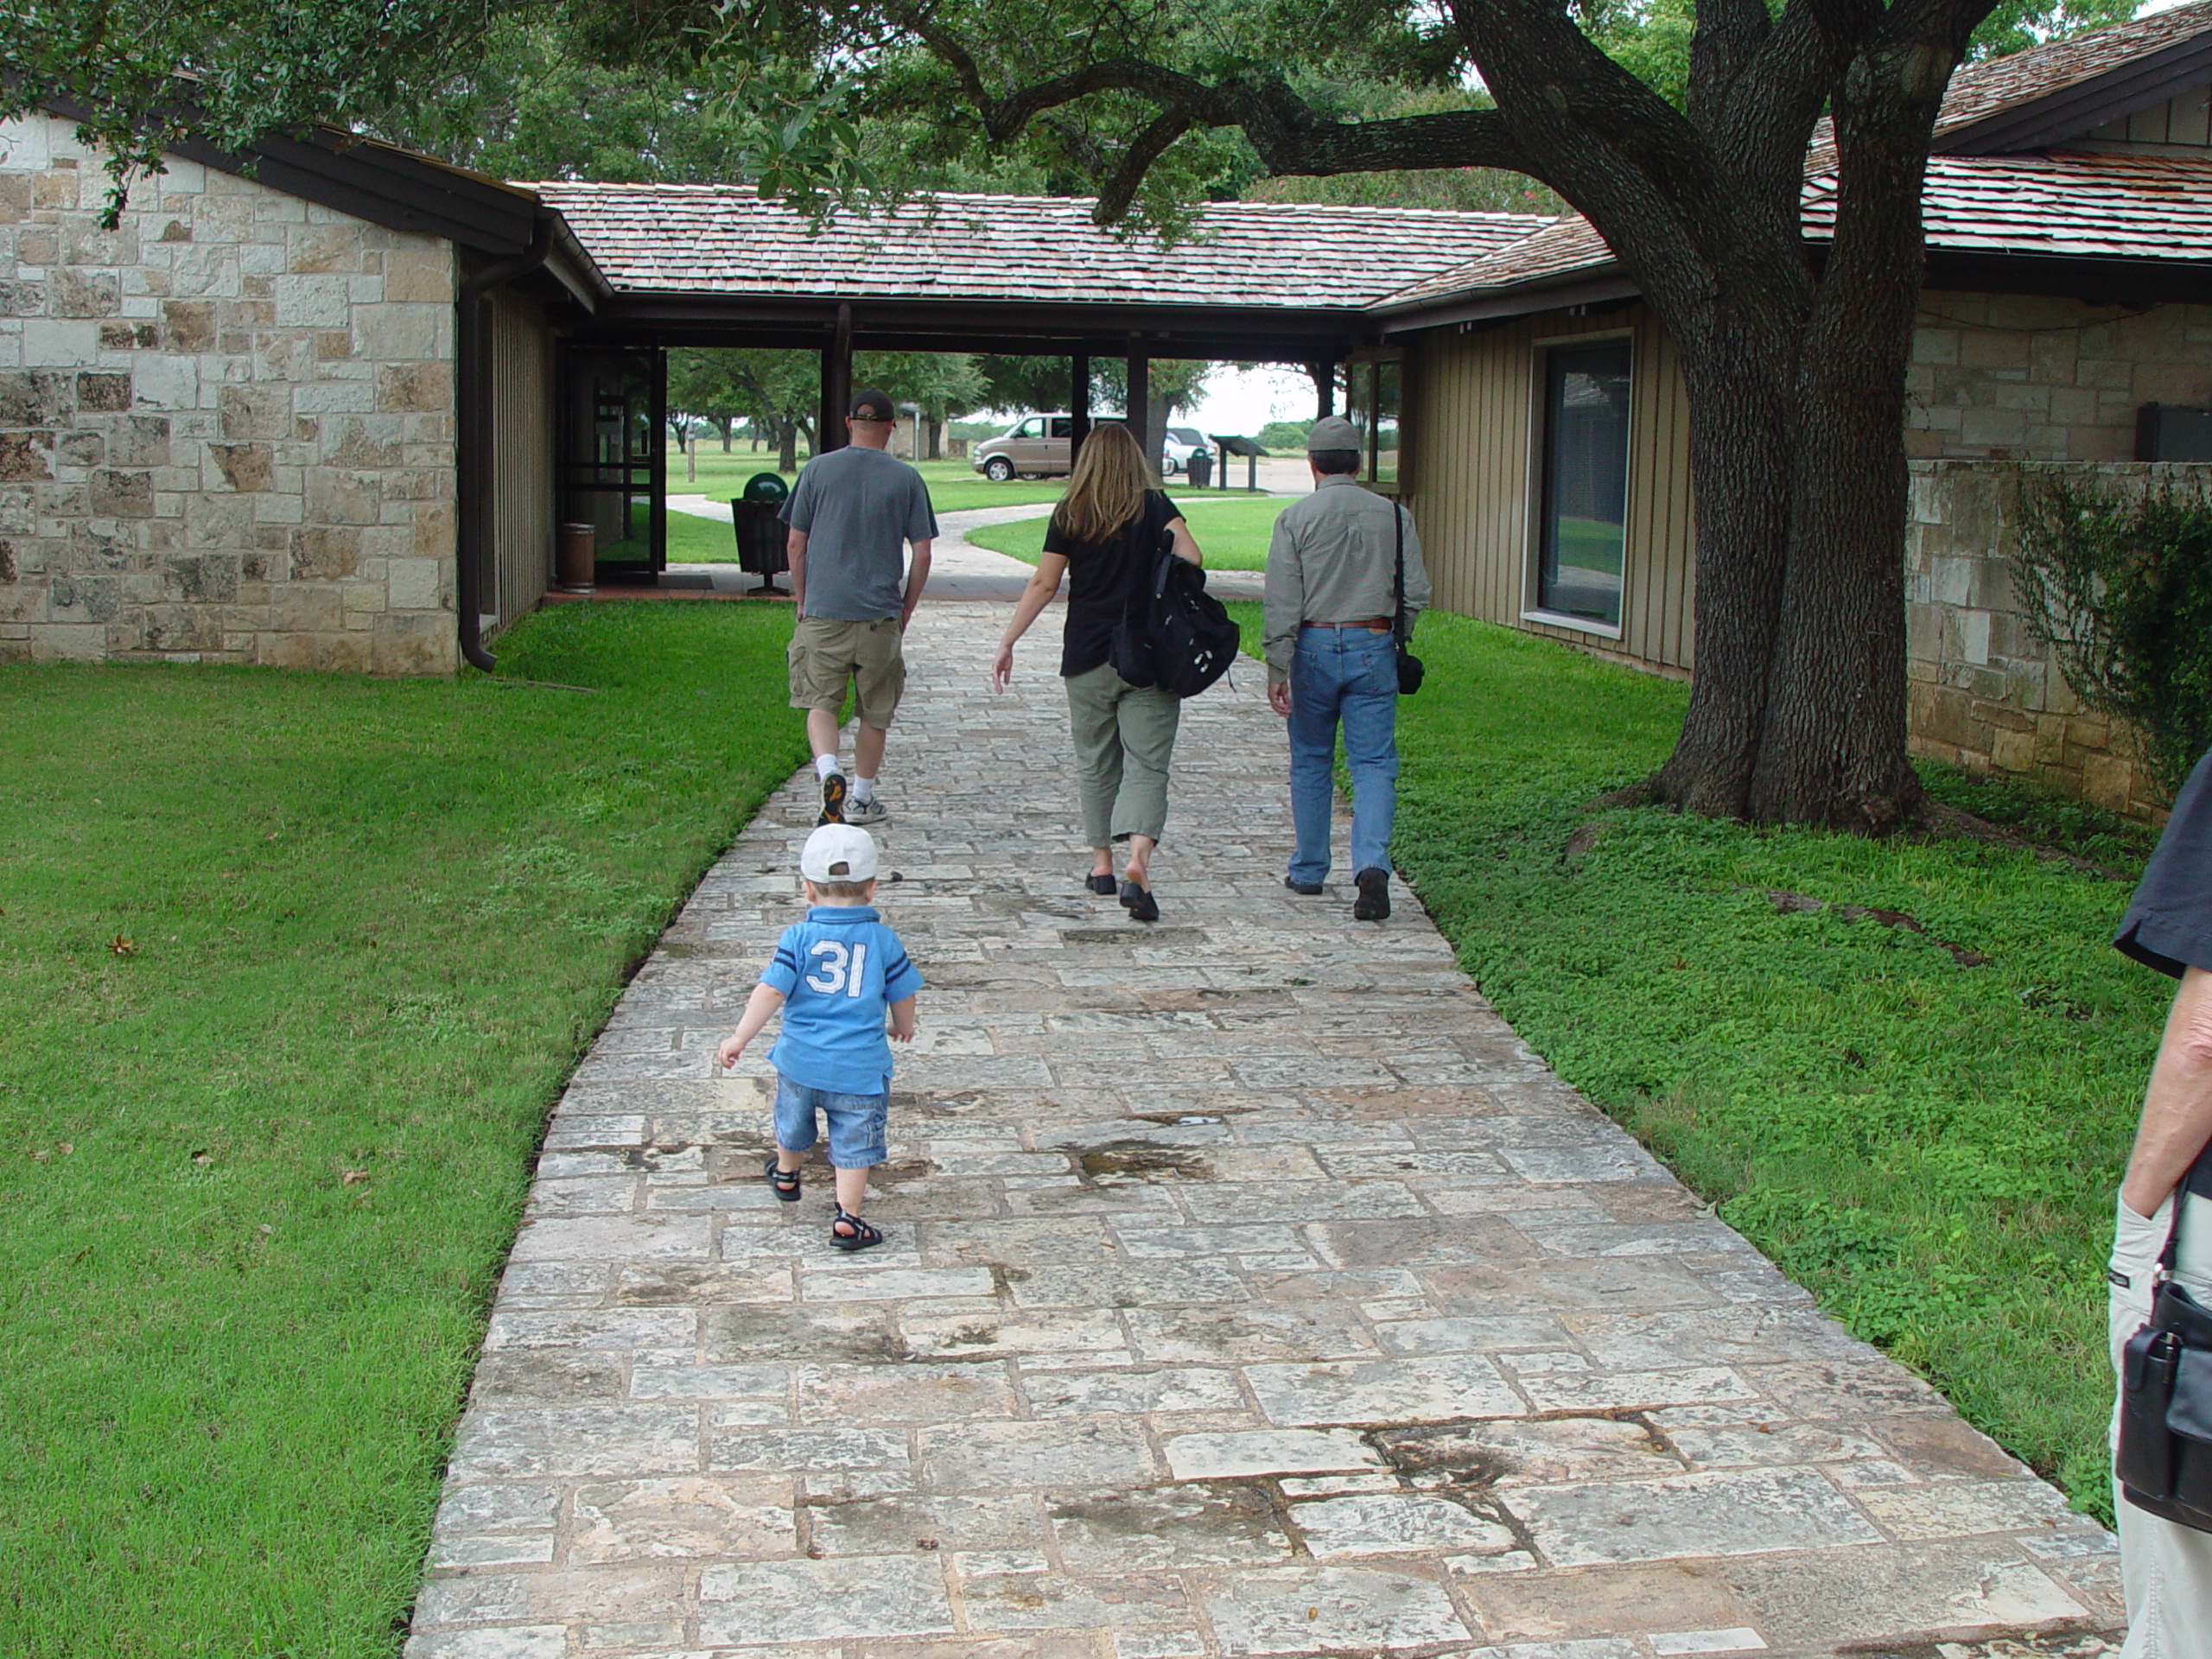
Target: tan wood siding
1472,408
2186,119
521,479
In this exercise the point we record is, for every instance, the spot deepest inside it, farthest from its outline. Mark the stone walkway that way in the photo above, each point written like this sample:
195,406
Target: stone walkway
1250,1290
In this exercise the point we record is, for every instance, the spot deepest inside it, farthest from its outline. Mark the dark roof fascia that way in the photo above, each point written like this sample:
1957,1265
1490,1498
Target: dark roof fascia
2152,282
2073,111
1589,285
1110,326
378,183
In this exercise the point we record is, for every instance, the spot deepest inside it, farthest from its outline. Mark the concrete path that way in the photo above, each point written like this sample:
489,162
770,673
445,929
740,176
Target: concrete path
1249,1290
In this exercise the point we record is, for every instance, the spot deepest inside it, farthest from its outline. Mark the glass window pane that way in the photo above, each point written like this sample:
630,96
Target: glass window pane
1384,463
1585,523
1063,426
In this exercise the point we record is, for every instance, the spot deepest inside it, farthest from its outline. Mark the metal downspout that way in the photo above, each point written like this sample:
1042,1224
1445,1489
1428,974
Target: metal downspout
475,446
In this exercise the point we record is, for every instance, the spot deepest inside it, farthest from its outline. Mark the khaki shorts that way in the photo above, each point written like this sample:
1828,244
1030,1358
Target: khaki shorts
825,652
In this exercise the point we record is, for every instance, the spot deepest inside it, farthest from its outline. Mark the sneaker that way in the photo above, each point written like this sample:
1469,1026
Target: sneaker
870,810
833,800
1373,904
1306,889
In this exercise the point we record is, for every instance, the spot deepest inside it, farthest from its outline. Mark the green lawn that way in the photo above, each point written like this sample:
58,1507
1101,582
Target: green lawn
293,966
1931,1148
1232,529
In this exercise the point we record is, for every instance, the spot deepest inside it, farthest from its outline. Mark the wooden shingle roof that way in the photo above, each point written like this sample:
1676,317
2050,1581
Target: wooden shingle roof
726,241
2076,204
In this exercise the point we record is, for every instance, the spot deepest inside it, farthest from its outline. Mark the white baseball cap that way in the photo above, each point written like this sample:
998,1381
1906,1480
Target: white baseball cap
838,852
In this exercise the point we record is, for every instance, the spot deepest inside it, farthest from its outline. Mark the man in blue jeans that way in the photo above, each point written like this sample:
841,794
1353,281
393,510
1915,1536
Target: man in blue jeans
1332,660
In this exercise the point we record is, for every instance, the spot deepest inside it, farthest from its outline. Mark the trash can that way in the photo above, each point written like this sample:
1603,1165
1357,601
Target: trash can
575,558
759,532
1200,467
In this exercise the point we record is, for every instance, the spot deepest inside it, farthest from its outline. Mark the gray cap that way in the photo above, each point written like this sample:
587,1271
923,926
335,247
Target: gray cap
1332,432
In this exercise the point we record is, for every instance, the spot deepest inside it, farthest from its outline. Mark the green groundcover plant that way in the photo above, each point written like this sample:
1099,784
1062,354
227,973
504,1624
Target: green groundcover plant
293,967
1923,1126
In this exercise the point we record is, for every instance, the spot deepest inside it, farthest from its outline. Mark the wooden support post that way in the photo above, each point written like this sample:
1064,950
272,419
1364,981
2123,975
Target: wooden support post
836,384
1079,404
1139,414
1324,389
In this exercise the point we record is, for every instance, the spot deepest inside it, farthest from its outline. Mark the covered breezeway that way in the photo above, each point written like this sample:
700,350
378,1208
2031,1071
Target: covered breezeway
674,266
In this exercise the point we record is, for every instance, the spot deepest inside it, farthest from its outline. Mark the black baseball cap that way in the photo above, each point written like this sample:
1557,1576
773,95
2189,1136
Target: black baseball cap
871,405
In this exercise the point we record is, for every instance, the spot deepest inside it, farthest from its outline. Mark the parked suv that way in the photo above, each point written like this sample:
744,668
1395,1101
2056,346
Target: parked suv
1036,446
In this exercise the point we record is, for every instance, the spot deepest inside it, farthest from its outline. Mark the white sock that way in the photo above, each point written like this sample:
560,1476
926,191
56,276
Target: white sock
824,765
863,790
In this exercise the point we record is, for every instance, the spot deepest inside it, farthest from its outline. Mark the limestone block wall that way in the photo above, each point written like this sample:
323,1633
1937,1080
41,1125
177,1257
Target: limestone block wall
226,426
1983,693
2009,377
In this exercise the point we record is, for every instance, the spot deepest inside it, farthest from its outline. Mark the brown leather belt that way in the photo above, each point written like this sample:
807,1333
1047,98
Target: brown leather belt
1373,624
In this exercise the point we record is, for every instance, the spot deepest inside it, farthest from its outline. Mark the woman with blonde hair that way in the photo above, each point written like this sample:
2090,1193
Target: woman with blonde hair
1107,535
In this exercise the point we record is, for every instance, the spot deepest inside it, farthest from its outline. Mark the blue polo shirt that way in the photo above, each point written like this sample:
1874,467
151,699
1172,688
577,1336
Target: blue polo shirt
839,971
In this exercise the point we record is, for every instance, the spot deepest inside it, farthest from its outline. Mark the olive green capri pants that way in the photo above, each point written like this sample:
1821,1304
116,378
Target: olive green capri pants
1124,738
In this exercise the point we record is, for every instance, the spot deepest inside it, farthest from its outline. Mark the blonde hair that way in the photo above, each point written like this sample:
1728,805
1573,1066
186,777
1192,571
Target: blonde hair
1108,488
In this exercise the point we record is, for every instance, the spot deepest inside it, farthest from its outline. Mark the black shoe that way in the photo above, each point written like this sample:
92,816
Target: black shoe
1373,904
833,800
1306,889
1101,883
1140,903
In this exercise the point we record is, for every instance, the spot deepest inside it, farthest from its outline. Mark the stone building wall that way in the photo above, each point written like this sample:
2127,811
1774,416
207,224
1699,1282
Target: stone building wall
226,426
1983,693
2004,377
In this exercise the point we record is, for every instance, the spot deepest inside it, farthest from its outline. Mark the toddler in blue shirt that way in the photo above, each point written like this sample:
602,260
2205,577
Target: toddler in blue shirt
833,975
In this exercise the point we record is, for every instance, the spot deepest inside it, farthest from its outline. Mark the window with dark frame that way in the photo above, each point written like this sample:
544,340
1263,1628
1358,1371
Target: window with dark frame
1372,394
1582,538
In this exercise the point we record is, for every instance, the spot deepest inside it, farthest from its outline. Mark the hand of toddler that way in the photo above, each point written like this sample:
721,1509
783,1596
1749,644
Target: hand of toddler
726,1056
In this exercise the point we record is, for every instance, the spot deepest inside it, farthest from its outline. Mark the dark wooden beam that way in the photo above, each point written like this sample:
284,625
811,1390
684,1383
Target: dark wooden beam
1137,413
1079,402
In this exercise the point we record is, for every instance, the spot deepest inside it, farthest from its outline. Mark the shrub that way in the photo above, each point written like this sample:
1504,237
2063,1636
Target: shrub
2120,589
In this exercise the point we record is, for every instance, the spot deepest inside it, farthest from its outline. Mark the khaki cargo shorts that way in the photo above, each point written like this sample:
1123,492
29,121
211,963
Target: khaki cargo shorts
825,652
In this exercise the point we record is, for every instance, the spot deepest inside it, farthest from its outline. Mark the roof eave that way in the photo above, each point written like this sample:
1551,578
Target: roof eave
368,180
1599,283
2080,106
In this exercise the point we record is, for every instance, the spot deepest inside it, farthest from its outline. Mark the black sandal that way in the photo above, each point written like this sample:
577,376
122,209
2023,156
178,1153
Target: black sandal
1101,882
863,1236
784,1182
1140,903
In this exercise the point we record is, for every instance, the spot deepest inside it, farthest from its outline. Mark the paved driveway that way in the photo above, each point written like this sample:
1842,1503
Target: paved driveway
1250,1290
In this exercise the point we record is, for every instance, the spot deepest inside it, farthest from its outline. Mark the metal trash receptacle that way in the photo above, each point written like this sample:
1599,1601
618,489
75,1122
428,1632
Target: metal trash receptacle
1198,467
760,541
575,558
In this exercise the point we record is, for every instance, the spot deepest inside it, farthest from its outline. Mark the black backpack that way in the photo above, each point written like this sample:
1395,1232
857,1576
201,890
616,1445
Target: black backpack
1175,635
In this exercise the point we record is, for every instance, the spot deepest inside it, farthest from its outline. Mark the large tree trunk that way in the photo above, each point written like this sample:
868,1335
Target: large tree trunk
1739,379
937,437
1797,469
787,447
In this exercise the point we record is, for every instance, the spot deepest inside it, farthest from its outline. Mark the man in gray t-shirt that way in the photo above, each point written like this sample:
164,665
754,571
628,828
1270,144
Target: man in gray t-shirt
849,517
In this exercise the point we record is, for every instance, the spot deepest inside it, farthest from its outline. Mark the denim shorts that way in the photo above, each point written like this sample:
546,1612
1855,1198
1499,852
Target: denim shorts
856,1123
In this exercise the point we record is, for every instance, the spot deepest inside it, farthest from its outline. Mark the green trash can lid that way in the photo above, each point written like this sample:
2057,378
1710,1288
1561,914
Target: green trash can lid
766,486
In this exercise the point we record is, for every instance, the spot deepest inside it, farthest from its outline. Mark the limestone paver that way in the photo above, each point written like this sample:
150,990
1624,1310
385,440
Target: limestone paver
1249,1290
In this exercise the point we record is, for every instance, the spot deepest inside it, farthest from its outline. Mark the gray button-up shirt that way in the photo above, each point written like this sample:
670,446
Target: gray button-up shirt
1332,561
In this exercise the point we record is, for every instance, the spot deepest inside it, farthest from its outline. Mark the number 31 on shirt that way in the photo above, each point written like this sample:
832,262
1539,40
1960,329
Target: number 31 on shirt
837,968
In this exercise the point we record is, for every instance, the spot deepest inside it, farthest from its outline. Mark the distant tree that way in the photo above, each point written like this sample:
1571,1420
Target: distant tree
944,384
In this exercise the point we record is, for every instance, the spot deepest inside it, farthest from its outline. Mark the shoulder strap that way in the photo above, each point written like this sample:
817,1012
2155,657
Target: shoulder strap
1398,580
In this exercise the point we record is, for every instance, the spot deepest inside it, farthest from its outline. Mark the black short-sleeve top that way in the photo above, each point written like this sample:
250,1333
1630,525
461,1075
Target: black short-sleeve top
2169,921
1105,577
